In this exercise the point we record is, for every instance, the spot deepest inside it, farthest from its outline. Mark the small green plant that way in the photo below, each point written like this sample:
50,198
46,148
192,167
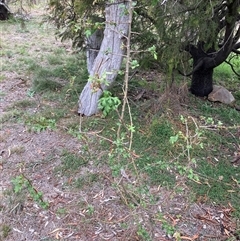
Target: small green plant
143,233
5,230
61,211
54,59
12,115
90,209
118,157
187,171
30,93
41,123
134,64
71,162
86,180
21,182
108,103
211,122
75,133
187,142
169,229
23,104
153,51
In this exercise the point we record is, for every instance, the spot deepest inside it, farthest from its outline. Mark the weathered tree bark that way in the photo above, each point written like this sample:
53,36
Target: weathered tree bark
93,46
108,61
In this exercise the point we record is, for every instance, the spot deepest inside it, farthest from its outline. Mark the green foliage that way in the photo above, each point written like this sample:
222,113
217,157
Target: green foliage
41,123
165,147
75,20
167,227
153,52
23,104
118,157
60,74
134,64
61,211
86,180
4,230
161,131
71,162
143,233
220,181
75,132
20,182
163,30
46,84
187,142
10,116
224,71
154,158
54,60
90,210
108,103
219,112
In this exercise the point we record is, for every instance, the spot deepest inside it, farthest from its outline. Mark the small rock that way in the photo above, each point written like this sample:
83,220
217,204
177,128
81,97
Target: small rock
221,94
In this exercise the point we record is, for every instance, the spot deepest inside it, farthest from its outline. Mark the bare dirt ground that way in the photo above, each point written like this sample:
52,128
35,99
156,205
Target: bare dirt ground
95,212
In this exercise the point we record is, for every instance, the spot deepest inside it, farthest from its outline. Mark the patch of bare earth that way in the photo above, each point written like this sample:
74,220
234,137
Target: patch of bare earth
98,211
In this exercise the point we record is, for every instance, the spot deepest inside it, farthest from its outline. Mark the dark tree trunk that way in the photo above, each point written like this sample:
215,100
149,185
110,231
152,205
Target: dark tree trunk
202,74
205,55
4,10
202,82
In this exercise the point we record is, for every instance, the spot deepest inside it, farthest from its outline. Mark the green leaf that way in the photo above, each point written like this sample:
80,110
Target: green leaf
134,64
174,139
88,33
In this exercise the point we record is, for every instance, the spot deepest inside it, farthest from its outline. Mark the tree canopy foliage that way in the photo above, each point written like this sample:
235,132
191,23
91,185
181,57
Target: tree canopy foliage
205,31
76,19
208,30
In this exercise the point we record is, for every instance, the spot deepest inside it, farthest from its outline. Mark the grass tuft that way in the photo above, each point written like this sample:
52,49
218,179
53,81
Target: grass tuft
46,84
71,163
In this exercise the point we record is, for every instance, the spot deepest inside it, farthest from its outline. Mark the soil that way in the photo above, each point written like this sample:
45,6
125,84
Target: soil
95,212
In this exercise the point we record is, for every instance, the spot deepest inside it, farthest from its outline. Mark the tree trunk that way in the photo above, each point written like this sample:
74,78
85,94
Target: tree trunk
202,74
4,10
202,82
93,46
108,61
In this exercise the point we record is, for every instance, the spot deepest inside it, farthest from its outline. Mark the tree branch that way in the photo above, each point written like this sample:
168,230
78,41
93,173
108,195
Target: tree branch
196,68
231,19
186,75
236,47
144,14
232,67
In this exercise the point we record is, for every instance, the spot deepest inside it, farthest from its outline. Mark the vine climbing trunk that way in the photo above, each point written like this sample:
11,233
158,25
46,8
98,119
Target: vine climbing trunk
109,59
